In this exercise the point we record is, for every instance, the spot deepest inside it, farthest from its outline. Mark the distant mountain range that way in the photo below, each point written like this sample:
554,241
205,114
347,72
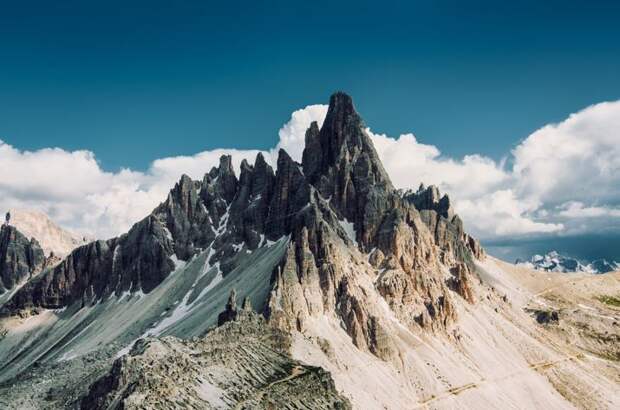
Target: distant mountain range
555,262
51,237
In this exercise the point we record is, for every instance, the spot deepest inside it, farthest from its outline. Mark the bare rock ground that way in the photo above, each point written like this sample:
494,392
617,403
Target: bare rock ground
243,364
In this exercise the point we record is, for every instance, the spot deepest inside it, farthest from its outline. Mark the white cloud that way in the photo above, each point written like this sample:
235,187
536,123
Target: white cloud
575,160
292,134
409,162
500,213
576,209
565,178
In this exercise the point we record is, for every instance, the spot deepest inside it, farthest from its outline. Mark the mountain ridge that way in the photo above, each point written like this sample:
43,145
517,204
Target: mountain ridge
381,288
222,210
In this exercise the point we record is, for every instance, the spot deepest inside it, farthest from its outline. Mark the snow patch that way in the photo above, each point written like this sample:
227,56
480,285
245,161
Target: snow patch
167,232
211,394
269,243
178,264
184,308
67,356
224,221
349,229
256,198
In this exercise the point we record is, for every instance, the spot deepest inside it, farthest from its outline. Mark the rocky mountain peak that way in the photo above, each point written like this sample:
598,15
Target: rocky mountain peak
20,258
226,165
226,178
341,162
341,141
342,125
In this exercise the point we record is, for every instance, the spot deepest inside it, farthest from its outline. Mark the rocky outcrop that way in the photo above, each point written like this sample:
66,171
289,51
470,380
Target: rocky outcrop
545,317
341,162
20,258
230,311
447,228
137,260
242,364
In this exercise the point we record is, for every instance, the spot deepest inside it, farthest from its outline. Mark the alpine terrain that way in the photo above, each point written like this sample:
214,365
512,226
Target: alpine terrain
303,286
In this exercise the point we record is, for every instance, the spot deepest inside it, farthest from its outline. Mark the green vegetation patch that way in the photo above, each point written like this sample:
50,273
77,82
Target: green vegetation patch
610,300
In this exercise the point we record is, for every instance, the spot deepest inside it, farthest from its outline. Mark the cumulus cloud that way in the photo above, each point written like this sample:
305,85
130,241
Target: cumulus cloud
76,192
575,160
564,178
481,187
292,134
410,162
500,213
576,209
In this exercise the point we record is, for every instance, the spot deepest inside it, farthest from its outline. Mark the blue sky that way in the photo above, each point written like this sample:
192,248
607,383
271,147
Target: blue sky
514,105
139,81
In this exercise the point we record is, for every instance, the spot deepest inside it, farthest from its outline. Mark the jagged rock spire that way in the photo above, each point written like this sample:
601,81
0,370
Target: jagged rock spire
20,257
232,301
341,162
341,141
230,311
430,199
290,194
247,304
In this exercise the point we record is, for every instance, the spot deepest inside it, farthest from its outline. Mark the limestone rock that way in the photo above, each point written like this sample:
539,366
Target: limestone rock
230,312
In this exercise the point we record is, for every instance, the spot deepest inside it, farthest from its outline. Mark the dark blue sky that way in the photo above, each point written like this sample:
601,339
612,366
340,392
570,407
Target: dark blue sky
134,82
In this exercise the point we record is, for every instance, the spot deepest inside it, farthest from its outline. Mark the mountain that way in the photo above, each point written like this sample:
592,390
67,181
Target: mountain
51,237
554,262
371,296
21,259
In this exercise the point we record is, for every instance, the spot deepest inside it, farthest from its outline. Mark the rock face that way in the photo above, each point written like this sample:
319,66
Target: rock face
243,364
137,260
411,239
444,224
20,258
221,212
